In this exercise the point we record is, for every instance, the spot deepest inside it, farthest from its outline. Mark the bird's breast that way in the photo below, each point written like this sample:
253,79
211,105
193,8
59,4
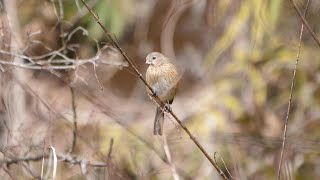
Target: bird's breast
163,80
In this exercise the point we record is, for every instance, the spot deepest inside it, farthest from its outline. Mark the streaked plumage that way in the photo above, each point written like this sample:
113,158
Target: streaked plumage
163,77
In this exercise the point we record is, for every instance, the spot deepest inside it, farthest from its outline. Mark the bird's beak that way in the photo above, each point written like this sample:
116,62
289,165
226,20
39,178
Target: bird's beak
148,62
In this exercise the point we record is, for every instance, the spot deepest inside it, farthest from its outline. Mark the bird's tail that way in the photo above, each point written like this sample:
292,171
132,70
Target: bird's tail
158,122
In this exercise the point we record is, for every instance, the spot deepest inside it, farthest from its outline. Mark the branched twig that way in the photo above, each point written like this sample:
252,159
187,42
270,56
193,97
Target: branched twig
75,160
38,62
79,28
292,87
224,164
159,102
62,157
305,22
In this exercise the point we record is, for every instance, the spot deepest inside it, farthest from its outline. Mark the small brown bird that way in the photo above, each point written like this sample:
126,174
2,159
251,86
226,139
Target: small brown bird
163,77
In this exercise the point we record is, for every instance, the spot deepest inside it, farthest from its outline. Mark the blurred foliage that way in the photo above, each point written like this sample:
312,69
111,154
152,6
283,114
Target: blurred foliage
114,14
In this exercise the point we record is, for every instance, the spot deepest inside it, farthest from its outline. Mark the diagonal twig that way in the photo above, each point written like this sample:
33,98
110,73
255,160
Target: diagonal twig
156,98
303,19
291,92
75,124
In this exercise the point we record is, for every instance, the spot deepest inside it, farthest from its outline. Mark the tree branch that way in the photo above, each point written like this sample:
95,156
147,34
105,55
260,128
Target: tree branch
156,98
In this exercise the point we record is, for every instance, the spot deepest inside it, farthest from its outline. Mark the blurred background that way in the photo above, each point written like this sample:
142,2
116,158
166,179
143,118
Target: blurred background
236,58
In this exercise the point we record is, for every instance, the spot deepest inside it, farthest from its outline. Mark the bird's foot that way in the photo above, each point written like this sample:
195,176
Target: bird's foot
154,93
167,107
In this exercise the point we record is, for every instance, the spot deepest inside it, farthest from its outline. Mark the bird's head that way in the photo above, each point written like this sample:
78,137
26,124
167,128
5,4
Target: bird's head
155,58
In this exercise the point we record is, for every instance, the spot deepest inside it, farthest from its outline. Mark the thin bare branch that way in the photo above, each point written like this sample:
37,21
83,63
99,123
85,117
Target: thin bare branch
75,126
83,11
159,102
224,164
62,157
291,90
102,108
38,62
305,22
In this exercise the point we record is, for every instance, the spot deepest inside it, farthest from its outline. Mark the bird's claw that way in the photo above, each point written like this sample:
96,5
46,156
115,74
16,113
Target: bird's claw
154,93
167,107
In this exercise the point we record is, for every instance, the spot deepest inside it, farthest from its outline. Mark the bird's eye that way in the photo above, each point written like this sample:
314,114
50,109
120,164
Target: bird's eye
153,57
